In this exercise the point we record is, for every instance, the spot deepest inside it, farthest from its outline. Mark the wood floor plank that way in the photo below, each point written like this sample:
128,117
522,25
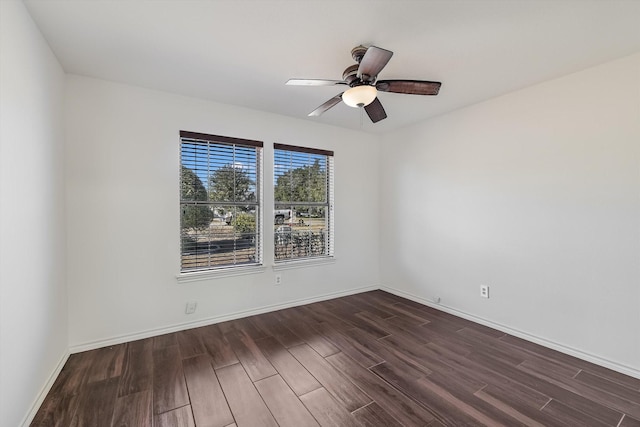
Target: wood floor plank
601,371
133,410
294,374
458,381
350,313
432,314
369,306
228,326
458,393
515,397
97,404
326,410
208,403
408,313
608,386
56,411
613,403
137,375
250,326
628,421
550,388
557,370
456,371
306,332
107,362
322,314
217,347
399,325
332,380
392,356
548,365
247,406
483,373
73,374
510,410
446,411
375,322
179,417
487,331
355,350
422,356
373,415
165,340
285,406
446,339
254,362
274,328
572,417
482,344
389,398
189,343
441,326
169,387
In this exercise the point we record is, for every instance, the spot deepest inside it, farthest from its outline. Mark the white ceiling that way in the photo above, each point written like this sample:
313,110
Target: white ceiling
242,52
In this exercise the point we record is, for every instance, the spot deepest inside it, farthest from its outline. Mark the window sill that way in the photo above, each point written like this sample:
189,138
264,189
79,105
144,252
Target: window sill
220,273
303,263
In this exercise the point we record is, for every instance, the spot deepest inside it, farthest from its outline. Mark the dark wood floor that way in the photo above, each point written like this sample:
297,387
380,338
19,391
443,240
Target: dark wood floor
371,359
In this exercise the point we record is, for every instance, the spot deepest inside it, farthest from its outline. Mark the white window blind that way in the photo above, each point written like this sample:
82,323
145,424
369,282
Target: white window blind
303,202
220,201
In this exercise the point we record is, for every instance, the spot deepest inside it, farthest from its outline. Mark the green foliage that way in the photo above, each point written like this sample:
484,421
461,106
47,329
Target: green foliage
303,184
244,223
231,184
192,189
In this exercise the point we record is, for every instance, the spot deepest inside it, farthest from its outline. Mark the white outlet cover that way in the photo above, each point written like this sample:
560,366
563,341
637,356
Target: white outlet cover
191,307
484,291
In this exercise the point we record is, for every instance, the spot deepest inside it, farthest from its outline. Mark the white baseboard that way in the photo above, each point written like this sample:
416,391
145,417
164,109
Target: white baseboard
44,390
211,320
623,369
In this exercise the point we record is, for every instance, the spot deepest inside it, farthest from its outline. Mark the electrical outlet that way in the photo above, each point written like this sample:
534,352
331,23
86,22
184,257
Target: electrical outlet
484,291
278,280
191,307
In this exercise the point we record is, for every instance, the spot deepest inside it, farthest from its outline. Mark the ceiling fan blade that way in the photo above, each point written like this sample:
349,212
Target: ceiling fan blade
375,111
373,62
411,87
314,82
327,105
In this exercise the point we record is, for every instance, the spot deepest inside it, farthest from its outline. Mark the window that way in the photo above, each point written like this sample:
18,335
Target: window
303,202
220,201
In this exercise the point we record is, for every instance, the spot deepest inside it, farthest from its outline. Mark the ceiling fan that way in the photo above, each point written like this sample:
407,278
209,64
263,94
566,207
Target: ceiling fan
362,79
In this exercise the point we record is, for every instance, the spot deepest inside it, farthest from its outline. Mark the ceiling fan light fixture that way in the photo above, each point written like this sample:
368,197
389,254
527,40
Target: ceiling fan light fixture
359,96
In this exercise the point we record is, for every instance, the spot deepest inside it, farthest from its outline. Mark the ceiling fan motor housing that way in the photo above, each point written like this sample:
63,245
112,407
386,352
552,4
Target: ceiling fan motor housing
350,75
358,53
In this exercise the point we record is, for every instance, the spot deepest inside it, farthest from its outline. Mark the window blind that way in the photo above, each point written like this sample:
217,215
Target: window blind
303,202
220,201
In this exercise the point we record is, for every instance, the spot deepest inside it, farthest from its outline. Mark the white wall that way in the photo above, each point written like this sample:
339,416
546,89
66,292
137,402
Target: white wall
536,194
33,300
123,212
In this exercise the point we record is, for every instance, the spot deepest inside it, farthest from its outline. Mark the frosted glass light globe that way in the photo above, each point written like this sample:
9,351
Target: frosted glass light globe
360,96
